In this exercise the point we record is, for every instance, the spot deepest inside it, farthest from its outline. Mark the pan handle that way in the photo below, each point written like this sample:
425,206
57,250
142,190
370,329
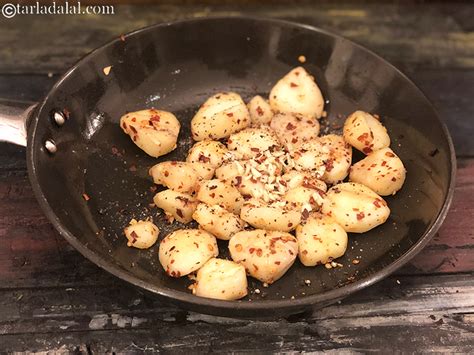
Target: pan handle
14,120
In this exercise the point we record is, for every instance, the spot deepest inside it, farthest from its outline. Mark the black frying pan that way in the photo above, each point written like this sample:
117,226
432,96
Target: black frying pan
176,66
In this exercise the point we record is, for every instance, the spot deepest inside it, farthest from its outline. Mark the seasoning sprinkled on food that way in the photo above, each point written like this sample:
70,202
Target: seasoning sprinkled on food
265,179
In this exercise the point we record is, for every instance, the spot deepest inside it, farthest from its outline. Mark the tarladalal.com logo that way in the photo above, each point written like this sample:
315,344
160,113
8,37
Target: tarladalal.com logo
10,10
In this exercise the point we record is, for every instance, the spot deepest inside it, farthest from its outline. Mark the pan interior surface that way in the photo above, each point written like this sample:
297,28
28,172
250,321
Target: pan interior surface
175,68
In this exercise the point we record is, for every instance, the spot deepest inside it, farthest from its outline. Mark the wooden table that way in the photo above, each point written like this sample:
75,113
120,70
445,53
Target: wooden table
51,298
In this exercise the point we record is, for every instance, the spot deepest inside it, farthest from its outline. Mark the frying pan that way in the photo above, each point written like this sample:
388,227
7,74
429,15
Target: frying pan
77,152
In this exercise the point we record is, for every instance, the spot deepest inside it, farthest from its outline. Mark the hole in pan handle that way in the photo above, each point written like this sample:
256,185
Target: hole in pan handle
14,120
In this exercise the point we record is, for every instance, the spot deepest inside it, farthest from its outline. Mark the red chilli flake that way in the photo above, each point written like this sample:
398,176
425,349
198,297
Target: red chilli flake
305,214
134,237
256,150
155,118
115,151
290,126
277,263
389,154
394,179
179,213
259,252
238,180
183,199
251,250
175,274
360,216
367,150
230,114
377,203
363,137
329,164
134,130
66,113
320,192
285,239
259,111
86,197
293,85
202,158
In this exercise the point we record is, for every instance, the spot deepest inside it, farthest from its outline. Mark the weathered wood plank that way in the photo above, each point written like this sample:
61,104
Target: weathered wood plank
25,87
442,37
447,89
52,299
452,248
32,254
451,92
24,222
425,312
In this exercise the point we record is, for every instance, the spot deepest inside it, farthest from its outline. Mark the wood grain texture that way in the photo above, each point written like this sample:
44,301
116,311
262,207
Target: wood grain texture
392,30
450,91
53,299
447,89
32,254
116,318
